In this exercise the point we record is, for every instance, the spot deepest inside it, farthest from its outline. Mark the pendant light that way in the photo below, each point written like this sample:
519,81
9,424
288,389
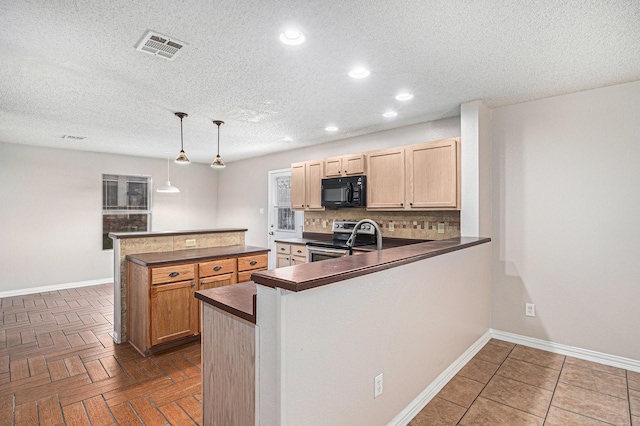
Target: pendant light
218,163
168,188
182,157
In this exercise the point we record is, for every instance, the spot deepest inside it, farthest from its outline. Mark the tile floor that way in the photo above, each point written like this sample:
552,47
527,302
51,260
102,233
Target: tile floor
507,384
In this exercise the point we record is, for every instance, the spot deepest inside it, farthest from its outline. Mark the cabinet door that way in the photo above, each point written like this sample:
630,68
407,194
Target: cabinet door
314,176
298,186
432,175
283,260
333,167
172,312
353,164
385,179
298,260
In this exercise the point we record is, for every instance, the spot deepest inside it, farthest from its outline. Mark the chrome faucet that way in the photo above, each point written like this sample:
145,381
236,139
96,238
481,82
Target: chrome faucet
352,238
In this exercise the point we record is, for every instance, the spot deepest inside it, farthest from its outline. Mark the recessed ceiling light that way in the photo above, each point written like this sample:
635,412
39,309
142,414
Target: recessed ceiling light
404,96
359,72
292,37
331,128
287,139
390,114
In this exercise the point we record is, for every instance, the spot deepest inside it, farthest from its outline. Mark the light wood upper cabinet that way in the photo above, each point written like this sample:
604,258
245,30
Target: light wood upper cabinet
416,177
432,171
298,186
306,185
346,165
385,179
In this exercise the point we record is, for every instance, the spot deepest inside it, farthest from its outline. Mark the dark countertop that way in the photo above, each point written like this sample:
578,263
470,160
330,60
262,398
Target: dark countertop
198,254
237,299
122,235
387,242
316,274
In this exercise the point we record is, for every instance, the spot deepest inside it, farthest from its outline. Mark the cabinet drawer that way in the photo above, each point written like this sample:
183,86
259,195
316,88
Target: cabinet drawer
248,263
169,274
299,250
246,275
282,248
217,267
217,281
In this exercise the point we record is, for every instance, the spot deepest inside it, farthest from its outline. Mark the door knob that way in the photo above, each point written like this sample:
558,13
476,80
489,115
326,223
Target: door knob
270,232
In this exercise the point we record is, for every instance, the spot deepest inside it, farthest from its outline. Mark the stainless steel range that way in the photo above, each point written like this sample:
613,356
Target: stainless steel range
337,247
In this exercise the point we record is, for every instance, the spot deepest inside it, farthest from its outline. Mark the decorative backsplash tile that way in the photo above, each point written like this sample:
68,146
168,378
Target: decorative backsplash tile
418,225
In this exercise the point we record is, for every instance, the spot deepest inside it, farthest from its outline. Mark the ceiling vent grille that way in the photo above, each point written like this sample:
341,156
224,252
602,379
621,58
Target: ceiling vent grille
159,45
75,138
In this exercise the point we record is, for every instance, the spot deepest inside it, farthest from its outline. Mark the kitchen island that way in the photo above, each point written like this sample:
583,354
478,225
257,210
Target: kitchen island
324,330
126,243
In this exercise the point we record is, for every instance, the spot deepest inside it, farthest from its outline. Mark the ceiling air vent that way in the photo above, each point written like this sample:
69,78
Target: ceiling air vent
75,138
159,45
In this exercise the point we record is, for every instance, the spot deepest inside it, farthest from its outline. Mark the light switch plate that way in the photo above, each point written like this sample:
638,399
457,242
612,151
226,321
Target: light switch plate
441,228
190,243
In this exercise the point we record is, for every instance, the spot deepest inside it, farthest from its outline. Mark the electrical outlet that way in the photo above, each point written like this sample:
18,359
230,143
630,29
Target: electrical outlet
530,309
261,211
377,386
441,228
190,243
324,223
392,226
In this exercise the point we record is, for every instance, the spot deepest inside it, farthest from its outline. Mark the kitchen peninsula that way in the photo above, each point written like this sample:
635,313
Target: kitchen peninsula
151,253
308,340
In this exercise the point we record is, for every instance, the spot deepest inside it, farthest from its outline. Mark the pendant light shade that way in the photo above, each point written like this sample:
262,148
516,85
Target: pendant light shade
218,163
168,188
182,157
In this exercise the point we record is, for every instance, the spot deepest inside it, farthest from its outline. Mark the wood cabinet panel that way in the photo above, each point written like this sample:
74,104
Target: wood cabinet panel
314,175
217,267
173,273
298,186
172,313
246,263
282,260
432,171
218,281
385,179
346,165
306,185
282,248
299,250
298,260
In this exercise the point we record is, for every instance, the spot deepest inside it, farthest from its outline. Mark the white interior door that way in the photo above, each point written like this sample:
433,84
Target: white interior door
283,222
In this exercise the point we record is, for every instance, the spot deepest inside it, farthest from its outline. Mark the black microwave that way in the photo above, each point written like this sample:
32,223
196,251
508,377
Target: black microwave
349,191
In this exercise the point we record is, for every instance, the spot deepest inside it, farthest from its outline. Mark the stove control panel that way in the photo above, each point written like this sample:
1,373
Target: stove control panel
346,227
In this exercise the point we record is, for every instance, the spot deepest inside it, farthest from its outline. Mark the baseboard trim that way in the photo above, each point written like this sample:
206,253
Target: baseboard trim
586,354
436,386
43,289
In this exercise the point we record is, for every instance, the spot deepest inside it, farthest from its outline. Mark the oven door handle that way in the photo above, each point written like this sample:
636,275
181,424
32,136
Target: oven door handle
349,191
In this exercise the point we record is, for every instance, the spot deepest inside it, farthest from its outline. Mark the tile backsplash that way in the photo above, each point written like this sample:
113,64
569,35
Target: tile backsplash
419,225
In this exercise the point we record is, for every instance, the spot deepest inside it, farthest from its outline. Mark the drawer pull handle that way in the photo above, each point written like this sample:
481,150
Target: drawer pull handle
282,248
299,251
174,274
217,268
253,262
193,284
202,282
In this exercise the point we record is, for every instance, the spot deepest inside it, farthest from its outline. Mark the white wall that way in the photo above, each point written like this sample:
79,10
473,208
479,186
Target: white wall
566,176
51,211
243,185
410,323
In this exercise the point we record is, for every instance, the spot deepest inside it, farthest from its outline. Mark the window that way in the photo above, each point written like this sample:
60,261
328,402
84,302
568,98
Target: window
126,202
285,216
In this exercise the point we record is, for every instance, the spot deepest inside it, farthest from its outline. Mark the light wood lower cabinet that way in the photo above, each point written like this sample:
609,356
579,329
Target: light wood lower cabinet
290,254
161,307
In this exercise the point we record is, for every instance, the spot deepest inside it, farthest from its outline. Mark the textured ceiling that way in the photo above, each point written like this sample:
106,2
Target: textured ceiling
69,67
